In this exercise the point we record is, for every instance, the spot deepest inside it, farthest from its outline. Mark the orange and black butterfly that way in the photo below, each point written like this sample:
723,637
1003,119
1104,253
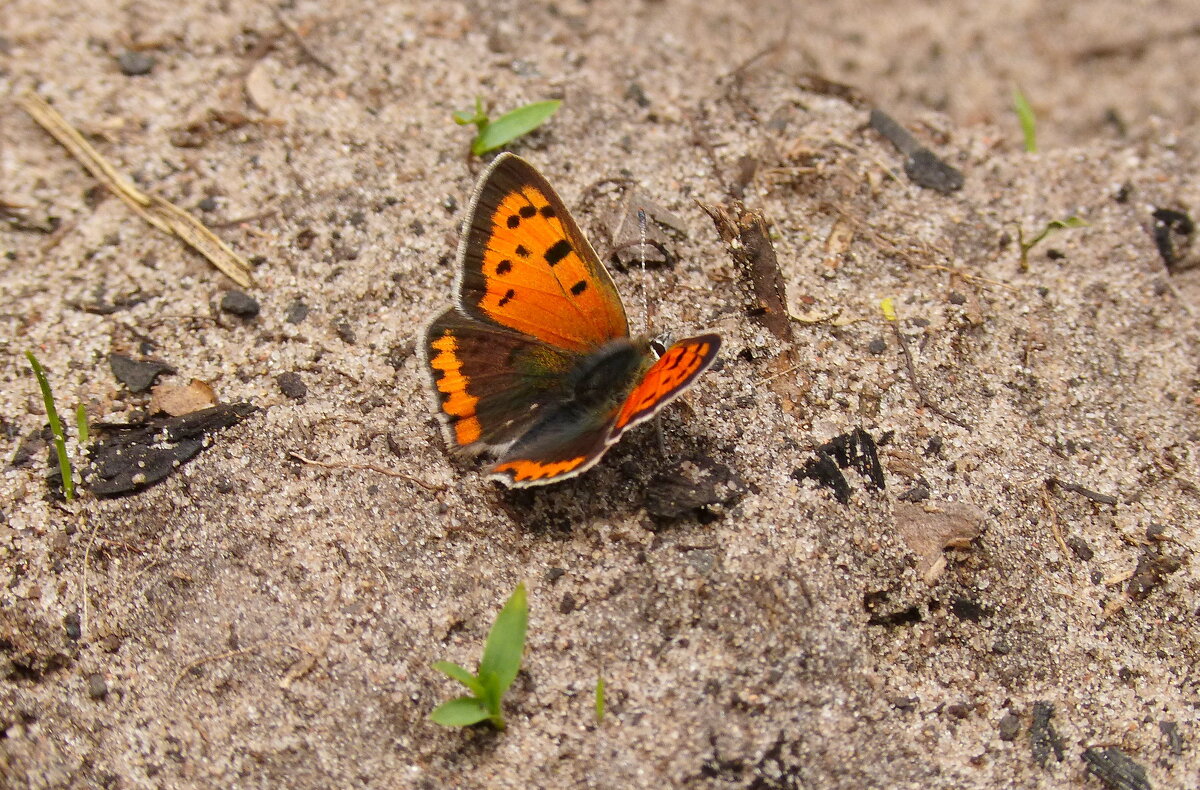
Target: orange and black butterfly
534,362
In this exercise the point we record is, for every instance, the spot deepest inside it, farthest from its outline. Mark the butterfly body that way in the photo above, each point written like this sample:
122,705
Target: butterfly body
535,362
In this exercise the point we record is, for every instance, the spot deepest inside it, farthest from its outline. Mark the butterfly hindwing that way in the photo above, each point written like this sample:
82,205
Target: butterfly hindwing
490,383
525,264
667,379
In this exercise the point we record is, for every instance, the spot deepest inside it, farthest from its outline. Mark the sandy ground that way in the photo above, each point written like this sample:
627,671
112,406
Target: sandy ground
258,621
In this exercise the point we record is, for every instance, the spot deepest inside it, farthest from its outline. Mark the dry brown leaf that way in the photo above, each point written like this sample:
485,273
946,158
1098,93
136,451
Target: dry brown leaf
178,401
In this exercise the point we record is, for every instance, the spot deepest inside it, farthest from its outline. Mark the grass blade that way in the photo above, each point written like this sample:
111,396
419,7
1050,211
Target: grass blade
505,644
600,685
512,125
461,712
81,424
1028,120
60,438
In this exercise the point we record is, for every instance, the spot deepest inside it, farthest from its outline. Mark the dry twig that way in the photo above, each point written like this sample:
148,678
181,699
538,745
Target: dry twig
160,213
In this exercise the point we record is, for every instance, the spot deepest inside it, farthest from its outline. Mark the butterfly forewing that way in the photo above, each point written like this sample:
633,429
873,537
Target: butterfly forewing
527,266
667,379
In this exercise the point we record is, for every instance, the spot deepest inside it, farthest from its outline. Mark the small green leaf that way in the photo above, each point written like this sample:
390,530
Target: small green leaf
505,644
455,672
1053,225
512,125
476,116
56,429
1028,120
461,712
599,698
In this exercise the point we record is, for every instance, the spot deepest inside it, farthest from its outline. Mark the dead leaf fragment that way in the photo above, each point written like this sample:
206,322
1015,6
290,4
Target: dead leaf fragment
930,528
178,401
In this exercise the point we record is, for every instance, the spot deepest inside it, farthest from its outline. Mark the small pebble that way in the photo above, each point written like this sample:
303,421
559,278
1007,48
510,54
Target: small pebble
877,346
568,604
291,385
1156,532
1010,727
297,311
71,626
208,204
135,64
345,331
97,686
1080,548
239,304
554,574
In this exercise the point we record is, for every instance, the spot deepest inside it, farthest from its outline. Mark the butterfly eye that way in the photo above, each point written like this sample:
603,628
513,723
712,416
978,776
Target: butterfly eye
658,347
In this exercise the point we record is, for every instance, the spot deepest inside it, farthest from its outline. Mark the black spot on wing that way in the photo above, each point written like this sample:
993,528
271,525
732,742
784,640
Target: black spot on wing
548,211
558,250
579,287
504,267
513,221
508,295
522,250
527,212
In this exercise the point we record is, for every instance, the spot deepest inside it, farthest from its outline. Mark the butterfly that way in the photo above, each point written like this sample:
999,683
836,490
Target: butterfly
534,362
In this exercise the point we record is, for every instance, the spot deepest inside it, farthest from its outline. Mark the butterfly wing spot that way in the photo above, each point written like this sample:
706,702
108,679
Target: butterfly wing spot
503,267
557,251
457,403
579,287
527,211
547,211
508,295
522,251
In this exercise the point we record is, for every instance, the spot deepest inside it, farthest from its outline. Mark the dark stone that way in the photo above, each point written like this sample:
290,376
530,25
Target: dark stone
1055,254
915,494
1170,731
240,304
1151,571
1156,532
297,311
958,710
345,331
137,376
966,609
1115,769
291,385
1080,548
636,94
877,346
97,686
568,604
1010,727
554,574
208,204
135,64
1172,230
71,626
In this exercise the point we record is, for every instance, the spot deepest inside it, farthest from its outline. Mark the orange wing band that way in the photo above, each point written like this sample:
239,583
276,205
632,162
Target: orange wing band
457,403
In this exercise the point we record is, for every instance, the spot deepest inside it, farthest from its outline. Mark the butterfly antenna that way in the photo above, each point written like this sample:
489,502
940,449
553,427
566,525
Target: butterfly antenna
642,256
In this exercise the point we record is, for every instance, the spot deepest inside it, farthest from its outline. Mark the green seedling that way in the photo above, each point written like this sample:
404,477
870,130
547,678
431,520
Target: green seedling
56,428
81,425
599,698
491,135
497,669
1058,224
1028,120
